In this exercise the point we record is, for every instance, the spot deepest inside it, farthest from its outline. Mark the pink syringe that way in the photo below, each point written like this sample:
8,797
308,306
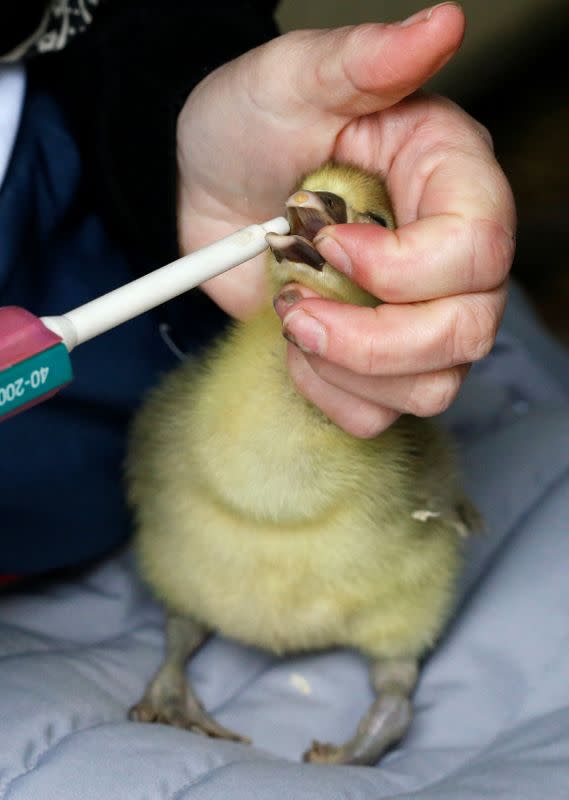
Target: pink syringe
34,352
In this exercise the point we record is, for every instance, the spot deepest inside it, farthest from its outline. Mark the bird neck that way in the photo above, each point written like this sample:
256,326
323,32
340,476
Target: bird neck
269,452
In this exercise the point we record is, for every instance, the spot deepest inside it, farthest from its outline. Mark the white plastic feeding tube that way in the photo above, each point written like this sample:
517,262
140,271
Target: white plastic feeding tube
163,284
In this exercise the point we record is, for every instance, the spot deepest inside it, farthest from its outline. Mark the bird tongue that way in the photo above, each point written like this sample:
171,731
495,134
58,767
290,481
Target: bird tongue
295,247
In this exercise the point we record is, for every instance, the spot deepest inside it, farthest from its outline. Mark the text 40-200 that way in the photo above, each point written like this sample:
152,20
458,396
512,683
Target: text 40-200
18,387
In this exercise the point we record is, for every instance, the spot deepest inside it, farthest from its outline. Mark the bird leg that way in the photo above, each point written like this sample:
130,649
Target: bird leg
169,697
385,723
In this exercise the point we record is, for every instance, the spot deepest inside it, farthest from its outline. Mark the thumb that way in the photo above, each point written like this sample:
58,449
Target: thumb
361,69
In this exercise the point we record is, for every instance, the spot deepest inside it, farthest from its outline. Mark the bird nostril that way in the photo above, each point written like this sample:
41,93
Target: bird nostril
300,197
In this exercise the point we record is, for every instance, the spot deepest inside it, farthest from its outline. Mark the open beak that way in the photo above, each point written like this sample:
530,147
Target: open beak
307,212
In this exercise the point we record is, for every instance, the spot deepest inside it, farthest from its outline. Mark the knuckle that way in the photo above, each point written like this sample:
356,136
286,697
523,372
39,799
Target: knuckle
502,245
438,103
467,123
484,134
359,35
492,248
474,331
435,394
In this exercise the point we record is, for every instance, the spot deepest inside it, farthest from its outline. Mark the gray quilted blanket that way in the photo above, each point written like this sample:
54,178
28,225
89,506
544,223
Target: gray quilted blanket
492,707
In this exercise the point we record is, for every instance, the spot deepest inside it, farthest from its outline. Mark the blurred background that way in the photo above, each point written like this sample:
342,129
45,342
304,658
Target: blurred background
512,74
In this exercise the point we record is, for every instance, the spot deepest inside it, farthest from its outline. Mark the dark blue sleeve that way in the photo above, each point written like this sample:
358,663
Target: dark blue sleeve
61,483
89,203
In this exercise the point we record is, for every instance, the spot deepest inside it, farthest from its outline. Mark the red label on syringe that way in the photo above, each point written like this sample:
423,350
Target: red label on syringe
34,363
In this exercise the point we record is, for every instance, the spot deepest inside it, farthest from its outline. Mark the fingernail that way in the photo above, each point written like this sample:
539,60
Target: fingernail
423,16
305,332
334,253
284,300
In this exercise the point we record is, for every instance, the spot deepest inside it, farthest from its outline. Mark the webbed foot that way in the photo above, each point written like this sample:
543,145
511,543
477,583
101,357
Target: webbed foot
175,706
383,726
169,697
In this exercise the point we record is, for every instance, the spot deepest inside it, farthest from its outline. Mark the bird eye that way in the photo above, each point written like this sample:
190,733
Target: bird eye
329,199
379,219
335,206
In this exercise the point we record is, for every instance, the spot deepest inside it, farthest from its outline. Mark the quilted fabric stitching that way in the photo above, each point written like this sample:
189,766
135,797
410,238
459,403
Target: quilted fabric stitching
7,788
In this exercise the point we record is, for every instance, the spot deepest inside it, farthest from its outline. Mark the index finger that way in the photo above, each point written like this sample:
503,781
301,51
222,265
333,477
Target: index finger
454,207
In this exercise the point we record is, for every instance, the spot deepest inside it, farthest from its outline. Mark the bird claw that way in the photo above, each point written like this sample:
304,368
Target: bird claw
323,753
176,713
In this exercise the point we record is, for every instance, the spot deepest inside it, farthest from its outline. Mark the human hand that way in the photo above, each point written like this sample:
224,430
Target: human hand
253,127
